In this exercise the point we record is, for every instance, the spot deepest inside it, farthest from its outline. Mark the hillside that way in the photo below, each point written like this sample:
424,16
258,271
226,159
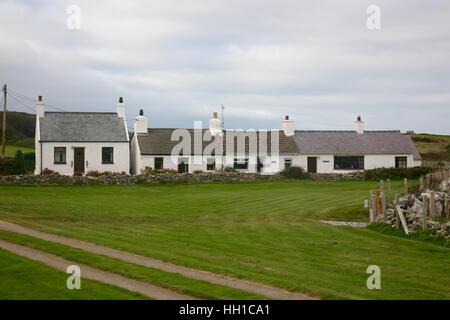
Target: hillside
20,128
432,147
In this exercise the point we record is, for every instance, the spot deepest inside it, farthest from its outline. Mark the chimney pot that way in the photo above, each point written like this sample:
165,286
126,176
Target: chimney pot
286,118
215,115
40,98
141,112
358,118
120,100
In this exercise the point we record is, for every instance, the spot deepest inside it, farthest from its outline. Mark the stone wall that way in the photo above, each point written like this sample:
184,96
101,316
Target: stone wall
231,177
357,175
413,208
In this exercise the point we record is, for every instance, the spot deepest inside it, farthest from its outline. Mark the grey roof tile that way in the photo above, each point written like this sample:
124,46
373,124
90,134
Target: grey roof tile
158,142
82,127
350,142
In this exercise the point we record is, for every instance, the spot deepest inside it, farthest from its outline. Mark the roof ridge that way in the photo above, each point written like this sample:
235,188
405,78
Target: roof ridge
80,112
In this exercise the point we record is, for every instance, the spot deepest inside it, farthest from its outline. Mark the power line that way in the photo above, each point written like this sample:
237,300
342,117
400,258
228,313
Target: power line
17,100
19,97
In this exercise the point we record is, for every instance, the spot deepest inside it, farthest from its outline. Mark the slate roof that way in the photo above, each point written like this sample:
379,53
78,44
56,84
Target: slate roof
82,127
158,142
350,142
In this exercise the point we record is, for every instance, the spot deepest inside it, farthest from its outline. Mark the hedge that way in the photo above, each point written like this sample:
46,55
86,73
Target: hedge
396,173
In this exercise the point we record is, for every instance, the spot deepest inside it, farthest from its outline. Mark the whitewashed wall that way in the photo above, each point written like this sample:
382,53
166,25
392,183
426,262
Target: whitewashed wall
325,163
273,165
92,154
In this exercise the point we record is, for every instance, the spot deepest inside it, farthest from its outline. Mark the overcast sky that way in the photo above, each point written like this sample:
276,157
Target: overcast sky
180,60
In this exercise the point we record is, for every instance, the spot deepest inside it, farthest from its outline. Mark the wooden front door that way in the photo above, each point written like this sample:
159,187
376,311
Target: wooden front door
78,160
312,164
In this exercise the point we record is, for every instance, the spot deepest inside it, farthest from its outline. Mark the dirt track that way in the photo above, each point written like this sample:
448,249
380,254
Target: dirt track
93,274
258,288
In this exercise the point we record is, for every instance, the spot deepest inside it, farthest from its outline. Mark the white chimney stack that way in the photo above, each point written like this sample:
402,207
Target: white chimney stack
215,125
40,107
121,108
141,123
359,125
287,126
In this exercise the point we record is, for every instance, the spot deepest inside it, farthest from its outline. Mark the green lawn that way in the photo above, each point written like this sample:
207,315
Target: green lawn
267,232
10,151
24,279
172,281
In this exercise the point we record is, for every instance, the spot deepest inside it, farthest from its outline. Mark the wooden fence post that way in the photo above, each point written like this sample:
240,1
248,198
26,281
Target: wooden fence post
405,186
425,211
421,184
372,207
402,218
432,205
389,190
378,203
447,208
383,206
397,202
381,185
427,181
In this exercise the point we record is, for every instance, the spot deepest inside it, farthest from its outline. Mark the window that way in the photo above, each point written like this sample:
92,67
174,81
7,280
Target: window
107,155
183,165
159,163
240,163
211,164
401,162
348,162
60,155
287,163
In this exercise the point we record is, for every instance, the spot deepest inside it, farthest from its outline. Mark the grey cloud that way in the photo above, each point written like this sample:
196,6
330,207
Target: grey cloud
313,60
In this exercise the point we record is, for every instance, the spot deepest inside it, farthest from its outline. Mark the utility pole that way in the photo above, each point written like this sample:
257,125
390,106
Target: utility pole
223,120
4,123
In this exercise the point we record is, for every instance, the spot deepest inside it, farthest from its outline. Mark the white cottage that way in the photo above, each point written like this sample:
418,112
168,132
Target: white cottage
78,142
315,151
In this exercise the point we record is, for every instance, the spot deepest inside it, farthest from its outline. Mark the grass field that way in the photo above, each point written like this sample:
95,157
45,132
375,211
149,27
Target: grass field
267,232
10,151
23,279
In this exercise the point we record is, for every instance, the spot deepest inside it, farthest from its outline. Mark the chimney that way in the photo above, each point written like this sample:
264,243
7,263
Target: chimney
141,123
40,107
215,125
359,125
287,126
121,108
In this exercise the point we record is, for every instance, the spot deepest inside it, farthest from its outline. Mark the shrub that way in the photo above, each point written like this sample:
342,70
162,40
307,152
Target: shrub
396,173
97,173
149,170
29,156
19,163
93,173
295,173
198,171
7,166
229,169
48,171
